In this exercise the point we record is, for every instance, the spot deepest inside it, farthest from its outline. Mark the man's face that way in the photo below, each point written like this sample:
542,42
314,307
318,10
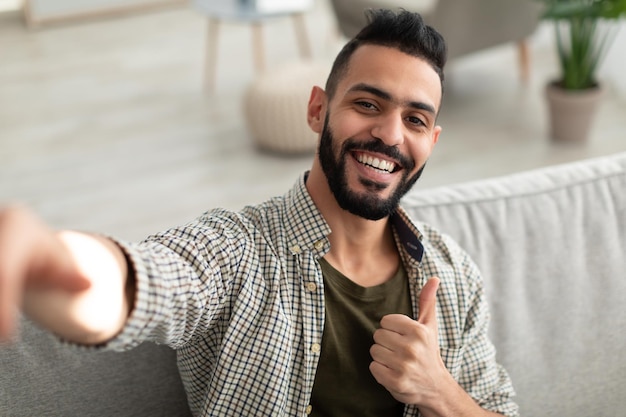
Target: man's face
379,130
368,205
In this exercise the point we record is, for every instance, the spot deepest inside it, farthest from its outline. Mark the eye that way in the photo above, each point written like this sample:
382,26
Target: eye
416,121
366,105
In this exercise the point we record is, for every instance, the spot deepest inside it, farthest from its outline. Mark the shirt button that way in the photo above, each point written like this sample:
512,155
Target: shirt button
311,286
315,347
295,249
308,410
319,245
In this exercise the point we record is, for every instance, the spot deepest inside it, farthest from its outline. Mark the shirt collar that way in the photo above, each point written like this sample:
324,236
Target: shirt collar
306,229
407,234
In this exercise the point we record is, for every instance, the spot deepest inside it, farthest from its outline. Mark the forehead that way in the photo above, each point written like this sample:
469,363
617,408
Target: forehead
405,77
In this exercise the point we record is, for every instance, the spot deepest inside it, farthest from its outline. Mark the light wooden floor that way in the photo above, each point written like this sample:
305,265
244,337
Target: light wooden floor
104,125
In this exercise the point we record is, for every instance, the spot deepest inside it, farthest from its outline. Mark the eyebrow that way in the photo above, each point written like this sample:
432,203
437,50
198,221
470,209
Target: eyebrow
418,105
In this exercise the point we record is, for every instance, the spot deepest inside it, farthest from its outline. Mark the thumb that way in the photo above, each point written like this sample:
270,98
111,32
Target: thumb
428,302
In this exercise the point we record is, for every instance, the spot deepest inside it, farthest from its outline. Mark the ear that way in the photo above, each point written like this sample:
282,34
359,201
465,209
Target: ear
436,133
316,111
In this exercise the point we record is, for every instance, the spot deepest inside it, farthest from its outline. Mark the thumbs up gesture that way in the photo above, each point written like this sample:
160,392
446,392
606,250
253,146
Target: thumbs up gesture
405,353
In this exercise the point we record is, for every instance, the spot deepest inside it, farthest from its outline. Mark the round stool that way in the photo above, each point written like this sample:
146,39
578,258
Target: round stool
275,107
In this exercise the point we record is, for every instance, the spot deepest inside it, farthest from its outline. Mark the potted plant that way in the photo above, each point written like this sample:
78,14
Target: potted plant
581,44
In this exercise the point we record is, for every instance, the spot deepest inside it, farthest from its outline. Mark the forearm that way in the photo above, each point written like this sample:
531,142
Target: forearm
93,315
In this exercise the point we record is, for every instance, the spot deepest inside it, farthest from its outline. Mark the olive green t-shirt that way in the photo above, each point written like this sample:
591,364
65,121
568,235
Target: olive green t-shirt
343,384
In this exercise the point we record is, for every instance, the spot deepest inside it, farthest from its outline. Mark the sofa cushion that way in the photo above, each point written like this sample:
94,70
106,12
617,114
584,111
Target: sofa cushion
41,377
551,245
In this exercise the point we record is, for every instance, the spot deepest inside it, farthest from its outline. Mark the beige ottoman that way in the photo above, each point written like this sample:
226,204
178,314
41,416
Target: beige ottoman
275,107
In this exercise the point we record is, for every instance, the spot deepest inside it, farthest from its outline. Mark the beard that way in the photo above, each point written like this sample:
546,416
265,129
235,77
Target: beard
366,205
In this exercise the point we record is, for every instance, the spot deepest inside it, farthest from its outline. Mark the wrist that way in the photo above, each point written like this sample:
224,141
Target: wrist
449,399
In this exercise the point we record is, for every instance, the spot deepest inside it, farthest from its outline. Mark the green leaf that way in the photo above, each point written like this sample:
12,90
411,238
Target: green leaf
580,44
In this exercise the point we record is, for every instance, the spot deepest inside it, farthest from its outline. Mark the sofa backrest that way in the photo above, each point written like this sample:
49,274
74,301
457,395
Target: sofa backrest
43,378
551,245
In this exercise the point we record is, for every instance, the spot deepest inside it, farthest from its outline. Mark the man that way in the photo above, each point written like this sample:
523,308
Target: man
321,302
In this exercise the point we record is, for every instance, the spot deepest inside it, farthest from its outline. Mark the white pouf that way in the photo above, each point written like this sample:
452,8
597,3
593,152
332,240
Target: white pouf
275,107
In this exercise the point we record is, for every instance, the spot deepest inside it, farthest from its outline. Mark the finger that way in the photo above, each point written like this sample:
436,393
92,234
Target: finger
381,373
428,302
398,323
391,380
388,338
382,355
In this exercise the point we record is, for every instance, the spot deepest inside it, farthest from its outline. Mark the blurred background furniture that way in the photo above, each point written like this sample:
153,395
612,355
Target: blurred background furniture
43,12
275,107
468,26
253,12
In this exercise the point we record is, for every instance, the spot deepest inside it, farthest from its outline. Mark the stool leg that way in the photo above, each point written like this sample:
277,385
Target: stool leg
211,55
523,52
301,35
257,41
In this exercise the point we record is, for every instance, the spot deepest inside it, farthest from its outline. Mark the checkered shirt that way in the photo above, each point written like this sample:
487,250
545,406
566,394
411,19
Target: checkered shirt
240,297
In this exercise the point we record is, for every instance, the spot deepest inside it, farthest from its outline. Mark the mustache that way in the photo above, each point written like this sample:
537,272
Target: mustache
378,146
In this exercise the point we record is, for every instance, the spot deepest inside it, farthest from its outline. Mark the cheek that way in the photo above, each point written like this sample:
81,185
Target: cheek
421,148
345,125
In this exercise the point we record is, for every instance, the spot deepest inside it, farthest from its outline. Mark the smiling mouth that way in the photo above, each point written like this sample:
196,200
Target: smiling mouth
378,164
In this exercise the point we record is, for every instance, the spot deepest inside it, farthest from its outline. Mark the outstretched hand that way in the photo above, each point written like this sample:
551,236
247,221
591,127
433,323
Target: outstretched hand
406,359
32,257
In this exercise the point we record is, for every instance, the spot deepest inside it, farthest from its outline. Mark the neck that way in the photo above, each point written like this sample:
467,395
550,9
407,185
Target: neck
363,250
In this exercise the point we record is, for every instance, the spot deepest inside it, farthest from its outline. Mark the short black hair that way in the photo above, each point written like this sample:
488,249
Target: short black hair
402,30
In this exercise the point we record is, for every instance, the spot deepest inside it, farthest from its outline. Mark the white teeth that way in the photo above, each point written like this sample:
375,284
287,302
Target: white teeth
376,163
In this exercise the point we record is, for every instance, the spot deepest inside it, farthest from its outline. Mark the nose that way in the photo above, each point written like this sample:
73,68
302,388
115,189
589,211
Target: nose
389,128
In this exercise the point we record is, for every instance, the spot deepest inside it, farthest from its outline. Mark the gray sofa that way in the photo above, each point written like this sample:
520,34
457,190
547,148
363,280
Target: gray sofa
552,247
